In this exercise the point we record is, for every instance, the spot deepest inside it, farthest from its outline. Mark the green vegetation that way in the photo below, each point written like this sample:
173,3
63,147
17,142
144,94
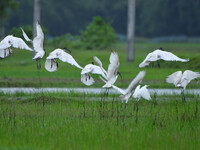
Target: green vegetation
98,35
27,28
5,5
70,121
20,70
180,17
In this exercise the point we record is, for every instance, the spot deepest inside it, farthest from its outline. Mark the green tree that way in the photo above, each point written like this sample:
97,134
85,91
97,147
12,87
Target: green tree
98,34
4,6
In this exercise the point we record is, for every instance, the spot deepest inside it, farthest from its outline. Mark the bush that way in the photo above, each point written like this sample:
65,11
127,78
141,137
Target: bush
66,40
98,35
28,29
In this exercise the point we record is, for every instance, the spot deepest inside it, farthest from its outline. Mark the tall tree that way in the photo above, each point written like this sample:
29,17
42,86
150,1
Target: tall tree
131,30
36,15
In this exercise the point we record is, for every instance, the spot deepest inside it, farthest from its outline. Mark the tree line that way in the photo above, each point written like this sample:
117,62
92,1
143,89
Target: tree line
153,17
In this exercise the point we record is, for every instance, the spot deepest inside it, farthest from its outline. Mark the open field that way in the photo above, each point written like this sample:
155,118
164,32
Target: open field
19,70
77,121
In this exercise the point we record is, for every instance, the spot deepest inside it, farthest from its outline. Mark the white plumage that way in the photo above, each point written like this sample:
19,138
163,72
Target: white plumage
180,79
11,41
25,36
100,65
160,54
5,52
141,93
90,68
51,65
37,42
126,94
112,74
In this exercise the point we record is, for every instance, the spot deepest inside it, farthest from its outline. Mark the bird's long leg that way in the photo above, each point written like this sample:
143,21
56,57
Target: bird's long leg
39,63
183,95
137,106
134,106
10,52
56,64
122,104
158,64
125,106
152,65
107,91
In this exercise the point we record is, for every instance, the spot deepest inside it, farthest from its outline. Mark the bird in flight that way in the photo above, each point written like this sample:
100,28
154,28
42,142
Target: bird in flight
180,79
11,41
160,54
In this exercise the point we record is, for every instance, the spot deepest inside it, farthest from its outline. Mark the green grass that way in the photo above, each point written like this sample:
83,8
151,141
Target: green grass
19,69
70,121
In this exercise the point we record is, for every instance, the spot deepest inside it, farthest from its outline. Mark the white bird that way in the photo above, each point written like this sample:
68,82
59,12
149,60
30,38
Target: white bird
5,52
112,74
37,44
141,93
11,41
90,68
126,94
51,65
160,54
180,79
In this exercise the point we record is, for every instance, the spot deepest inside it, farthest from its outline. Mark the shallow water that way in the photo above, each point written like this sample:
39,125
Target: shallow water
94,90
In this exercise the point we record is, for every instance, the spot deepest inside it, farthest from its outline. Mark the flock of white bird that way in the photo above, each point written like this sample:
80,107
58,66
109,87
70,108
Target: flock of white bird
110,76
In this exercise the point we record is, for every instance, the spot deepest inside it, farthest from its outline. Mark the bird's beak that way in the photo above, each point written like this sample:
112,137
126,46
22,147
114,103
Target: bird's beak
148,85
67,50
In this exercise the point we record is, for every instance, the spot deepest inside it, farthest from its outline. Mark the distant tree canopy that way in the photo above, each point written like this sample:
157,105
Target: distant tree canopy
5,5
153,17
98,35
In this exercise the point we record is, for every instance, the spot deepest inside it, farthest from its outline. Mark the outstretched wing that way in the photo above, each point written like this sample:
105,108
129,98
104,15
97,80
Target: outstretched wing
145,93
90,68
63,56
113,66
147,60
97,60
115,87
25,36
190,75
19,43
174,78
38,40
16,42
168,56
135,81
